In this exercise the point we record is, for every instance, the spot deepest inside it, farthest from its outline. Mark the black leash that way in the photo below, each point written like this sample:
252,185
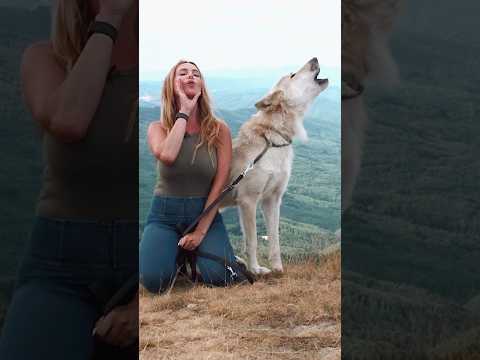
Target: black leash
190,256
268,144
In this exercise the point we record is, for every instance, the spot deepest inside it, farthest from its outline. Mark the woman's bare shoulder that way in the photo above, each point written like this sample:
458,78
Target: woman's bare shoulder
40,56
156,125
39,51
224,129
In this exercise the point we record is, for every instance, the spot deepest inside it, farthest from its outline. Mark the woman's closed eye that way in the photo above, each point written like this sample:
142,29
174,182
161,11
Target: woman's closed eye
188,74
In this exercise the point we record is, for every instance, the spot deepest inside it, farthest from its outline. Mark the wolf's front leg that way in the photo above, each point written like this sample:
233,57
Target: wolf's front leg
271,213
354,126
247,211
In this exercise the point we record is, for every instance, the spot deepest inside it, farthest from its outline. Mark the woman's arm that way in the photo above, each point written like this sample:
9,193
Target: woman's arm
224,158
62,103
166,147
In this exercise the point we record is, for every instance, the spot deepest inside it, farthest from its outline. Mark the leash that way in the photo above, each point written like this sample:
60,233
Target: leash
268,144
186,255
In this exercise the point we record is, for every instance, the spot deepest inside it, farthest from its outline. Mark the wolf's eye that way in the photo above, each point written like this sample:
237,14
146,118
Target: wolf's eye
291,76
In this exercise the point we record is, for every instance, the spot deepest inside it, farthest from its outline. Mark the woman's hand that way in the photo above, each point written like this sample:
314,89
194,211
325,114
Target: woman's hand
120,326
191,241
186,104
113,11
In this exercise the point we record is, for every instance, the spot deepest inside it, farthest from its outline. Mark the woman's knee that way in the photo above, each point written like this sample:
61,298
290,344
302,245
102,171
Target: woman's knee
157,281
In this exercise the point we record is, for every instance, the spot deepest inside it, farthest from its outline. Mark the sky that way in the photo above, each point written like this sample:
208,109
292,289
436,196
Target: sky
227,35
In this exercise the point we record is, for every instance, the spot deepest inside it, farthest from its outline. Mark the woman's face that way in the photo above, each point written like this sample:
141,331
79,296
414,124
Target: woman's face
95,6
189,78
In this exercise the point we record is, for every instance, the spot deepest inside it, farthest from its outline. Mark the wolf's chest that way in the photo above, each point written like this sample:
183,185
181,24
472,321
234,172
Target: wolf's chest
277,161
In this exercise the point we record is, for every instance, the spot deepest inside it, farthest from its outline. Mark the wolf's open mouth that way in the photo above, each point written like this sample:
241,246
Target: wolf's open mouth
320,81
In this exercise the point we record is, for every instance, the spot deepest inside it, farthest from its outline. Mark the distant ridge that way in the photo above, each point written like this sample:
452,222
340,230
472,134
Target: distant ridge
24,23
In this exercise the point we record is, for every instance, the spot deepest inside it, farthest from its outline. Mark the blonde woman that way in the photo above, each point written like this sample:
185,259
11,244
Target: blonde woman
81,87
193,150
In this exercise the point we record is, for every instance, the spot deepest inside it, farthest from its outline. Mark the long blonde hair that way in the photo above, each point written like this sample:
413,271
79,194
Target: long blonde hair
70,22
209,124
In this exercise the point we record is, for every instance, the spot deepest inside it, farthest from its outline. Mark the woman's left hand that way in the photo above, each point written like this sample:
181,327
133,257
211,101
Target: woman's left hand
191,241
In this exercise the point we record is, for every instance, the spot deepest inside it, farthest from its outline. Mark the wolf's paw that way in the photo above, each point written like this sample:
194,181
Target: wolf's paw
260,270
277,268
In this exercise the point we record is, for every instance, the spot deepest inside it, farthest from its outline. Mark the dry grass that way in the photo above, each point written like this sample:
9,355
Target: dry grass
292,316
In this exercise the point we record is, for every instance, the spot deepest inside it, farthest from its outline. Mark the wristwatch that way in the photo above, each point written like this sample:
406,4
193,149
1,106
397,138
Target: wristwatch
181,115
102,27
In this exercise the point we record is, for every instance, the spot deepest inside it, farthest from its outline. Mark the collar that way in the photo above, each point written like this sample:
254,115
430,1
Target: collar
288,139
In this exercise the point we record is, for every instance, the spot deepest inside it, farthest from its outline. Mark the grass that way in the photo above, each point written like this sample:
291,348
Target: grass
295,315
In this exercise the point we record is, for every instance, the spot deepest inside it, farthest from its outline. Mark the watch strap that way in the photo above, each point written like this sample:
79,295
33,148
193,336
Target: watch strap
181,115
102,27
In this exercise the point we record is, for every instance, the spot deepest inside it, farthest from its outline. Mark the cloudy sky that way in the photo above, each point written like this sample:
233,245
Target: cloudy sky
223,35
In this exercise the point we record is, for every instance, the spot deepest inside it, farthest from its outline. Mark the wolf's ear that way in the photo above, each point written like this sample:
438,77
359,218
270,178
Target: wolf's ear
271,102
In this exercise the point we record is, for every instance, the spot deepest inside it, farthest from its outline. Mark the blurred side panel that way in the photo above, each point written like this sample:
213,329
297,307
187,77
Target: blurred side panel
410,176
20,141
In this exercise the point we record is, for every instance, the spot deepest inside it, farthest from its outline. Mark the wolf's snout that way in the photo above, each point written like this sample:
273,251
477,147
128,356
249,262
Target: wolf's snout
314,64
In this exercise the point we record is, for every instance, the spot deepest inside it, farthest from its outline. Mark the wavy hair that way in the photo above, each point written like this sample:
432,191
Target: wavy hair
70,22
209,124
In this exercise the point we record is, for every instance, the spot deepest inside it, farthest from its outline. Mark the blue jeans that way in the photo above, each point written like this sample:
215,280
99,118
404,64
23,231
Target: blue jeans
159,249
53,311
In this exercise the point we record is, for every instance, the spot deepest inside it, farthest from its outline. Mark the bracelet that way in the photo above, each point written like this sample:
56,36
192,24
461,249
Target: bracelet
181,115
102,27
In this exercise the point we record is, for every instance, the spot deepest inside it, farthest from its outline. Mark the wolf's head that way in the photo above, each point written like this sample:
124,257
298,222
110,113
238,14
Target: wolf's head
295,92
366,26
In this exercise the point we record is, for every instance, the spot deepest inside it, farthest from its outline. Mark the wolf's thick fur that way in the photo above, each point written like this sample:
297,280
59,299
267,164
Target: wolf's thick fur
280,115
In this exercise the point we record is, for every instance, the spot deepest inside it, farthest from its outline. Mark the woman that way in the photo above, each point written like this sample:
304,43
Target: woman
193,150
81,87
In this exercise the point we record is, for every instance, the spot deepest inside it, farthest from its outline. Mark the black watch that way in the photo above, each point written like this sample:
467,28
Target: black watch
102,27
181,115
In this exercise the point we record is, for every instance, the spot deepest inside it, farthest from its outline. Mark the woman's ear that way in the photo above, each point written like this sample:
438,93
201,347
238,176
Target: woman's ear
272,101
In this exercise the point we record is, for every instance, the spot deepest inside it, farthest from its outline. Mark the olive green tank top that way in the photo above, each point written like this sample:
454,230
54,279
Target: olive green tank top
184,178
97,178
